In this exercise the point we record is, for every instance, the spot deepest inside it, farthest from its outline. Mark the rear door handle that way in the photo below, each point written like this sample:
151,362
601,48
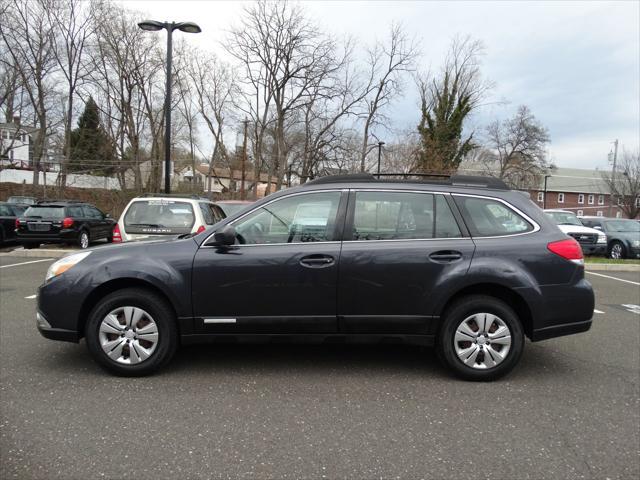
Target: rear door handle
316,261
445,256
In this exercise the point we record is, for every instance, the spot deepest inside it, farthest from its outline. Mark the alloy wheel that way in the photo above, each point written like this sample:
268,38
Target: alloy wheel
128,335
616,251
482,341
84,240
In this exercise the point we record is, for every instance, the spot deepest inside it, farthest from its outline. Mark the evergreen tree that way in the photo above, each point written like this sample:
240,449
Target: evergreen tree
91,150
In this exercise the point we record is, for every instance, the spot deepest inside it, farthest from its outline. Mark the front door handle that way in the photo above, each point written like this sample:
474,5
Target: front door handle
317,261
445,256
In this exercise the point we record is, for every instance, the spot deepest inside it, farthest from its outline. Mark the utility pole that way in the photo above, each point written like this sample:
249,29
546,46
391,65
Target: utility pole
244,161
613,174
380,144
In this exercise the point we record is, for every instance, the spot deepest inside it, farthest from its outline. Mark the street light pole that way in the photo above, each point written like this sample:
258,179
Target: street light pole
613,174
188,27
380,144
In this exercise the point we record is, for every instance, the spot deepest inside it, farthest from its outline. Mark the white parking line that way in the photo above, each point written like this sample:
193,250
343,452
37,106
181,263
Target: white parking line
594,310
614,278
30,297
26,263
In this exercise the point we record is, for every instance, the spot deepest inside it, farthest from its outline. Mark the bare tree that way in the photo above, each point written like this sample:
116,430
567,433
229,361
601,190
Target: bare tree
516,149
624,183
72,24
28,36
282,52
213,85
386,64
447,100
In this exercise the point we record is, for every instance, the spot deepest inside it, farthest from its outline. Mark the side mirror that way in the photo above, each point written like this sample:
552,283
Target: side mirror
106,215
225,237
597,227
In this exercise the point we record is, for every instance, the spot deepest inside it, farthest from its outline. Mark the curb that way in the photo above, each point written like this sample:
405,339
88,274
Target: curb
612,267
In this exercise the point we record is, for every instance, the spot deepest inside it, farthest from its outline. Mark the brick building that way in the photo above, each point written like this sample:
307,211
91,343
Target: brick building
578,190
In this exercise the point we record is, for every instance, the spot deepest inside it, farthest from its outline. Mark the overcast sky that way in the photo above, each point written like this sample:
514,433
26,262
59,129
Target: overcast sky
575,64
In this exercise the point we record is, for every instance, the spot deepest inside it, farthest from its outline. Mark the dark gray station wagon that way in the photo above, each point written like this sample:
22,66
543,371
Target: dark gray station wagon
463,264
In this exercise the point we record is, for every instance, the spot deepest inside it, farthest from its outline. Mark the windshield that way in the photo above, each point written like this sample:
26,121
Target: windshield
623,226
163,213
564,218
20,199
56,213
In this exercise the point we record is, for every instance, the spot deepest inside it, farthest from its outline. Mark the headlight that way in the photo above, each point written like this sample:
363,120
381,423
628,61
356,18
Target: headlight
635,243
602,239
64,264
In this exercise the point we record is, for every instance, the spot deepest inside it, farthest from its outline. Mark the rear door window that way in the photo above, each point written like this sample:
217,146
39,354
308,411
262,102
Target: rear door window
91,212
159,216
487,217
400,215
76,212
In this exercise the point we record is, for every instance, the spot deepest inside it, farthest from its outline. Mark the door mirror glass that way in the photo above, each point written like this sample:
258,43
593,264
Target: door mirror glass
225,237
597,227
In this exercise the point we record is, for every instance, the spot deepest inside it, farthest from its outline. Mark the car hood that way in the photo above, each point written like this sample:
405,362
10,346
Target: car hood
579,229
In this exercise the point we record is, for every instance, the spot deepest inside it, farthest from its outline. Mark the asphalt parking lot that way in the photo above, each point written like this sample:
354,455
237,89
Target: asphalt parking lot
570,410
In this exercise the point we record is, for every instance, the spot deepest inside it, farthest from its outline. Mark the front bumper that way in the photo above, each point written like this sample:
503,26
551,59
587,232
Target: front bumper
47,331
597,249
634,252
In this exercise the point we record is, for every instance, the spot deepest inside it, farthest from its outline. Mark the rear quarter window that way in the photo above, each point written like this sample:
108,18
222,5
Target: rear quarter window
487,217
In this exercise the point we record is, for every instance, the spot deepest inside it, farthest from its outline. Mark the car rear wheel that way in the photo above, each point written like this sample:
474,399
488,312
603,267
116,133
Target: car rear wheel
481,338
83,239
132,332
617,251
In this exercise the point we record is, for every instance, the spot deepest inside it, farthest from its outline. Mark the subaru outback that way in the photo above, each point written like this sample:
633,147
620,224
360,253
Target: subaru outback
462,263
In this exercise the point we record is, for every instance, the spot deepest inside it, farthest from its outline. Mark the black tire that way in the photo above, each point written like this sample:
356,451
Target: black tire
463,309
614,247
80,242
29,246
158,309
110,239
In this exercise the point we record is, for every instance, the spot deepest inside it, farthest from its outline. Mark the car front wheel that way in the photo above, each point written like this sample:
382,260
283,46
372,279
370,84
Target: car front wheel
132,332
481,338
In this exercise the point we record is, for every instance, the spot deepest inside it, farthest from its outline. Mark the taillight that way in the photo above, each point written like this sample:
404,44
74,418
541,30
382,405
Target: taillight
67,222
117,238
200,229
569,249
17,223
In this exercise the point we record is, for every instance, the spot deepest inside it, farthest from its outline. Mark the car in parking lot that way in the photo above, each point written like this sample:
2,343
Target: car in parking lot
623,235
592,241
63,221
464,264
22,200
8,214
157,215
230,207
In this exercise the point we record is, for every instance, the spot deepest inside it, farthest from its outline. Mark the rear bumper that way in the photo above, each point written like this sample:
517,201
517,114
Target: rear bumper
61,237
560,330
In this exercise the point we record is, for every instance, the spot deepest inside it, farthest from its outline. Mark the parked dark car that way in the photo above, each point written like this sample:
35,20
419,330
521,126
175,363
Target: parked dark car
8,214
63,222
22,200
464,264
229,207
623,235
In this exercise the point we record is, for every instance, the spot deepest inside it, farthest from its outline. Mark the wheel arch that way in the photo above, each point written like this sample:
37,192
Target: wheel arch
114,285
506,294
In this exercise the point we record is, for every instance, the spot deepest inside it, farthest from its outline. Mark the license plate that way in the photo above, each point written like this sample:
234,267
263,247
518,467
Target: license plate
39,227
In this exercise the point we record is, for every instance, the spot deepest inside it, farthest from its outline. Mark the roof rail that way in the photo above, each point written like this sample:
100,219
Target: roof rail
58,200
430,178
173,195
